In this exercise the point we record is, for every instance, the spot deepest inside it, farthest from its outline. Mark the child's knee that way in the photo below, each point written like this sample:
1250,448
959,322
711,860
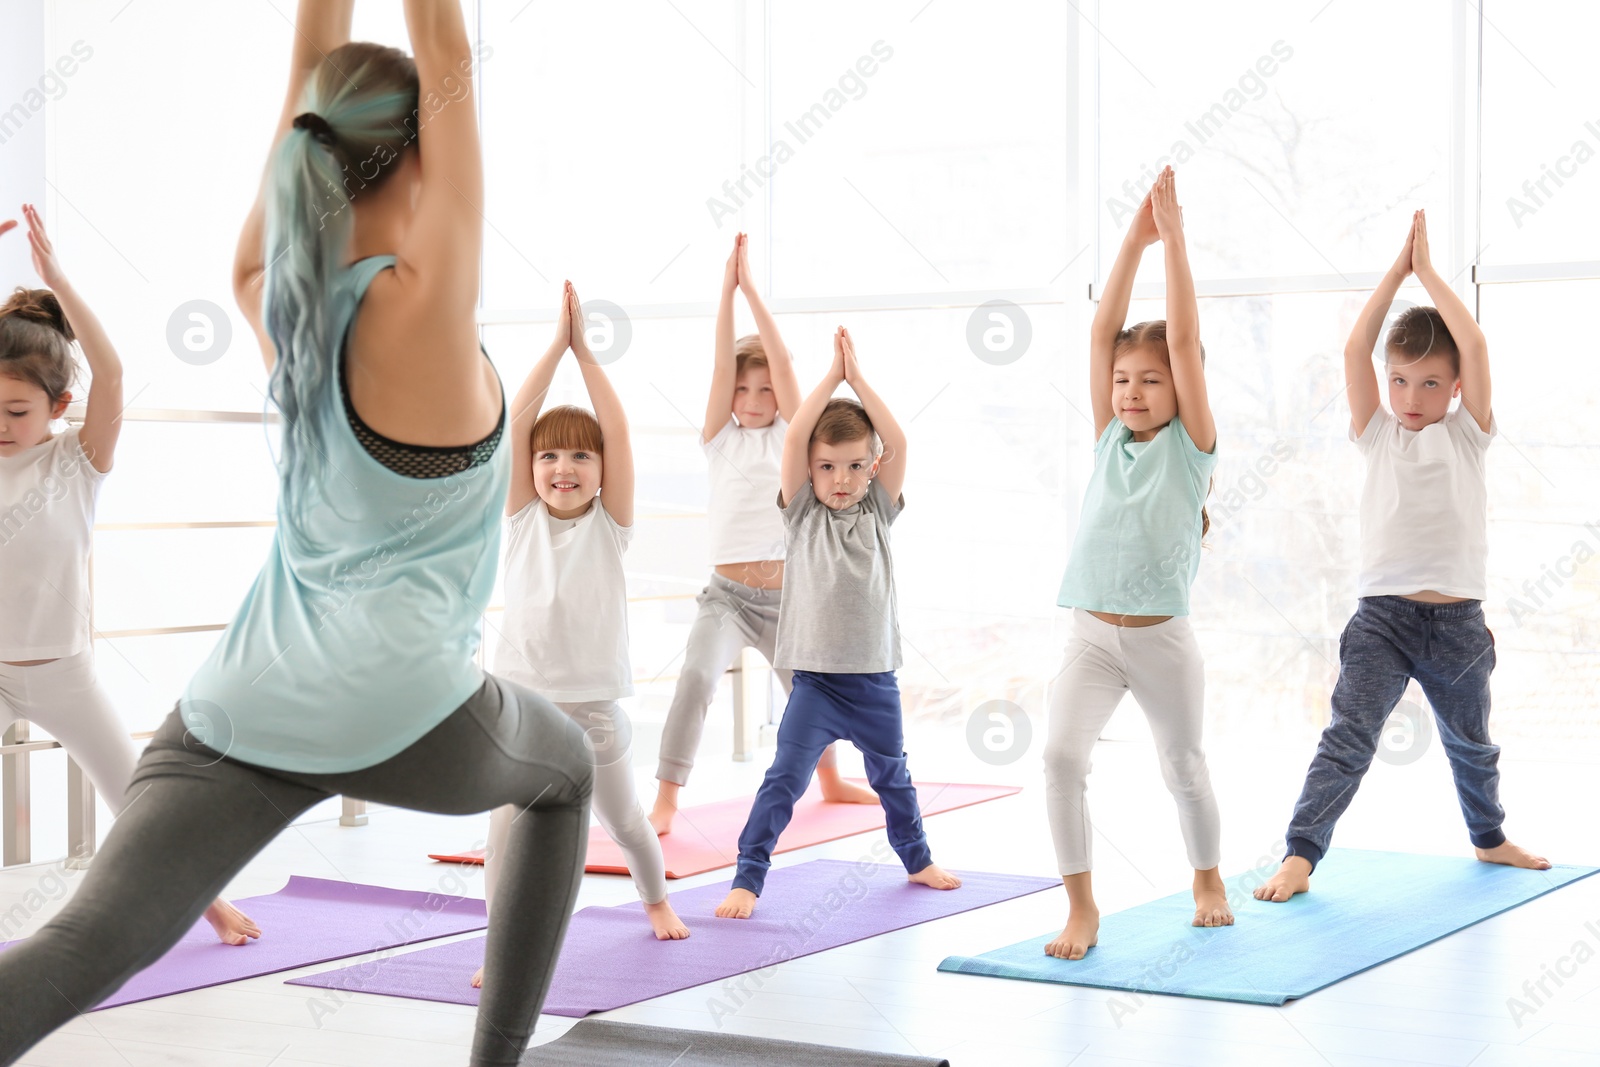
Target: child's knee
1065,764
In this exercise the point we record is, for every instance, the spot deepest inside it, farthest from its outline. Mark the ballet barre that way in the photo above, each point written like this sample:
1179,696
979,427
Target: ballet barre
16,825
753,709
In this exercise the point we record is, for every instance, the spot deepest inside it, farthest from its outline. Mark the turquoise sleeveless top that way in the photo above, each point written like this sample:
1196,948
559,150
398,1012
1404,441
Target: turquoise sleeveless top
1137,549
349,649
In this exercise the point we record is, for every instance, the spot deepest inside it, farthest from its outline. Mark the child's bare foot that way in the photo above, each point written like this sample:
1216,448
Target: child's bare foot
935,877
1294,876
1081,934
1513,856
477,978
1211,900
666,807
836,790
738,904
665,922
233,926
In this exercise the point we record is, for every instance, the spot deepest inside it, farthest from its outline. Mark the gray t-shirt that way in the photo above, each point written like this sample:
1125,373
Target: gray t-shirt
838,613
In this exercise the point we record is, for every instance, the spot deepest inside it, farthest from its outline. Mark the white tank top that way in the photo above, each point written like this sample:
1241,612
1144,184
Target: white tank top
47,499
565,631
745,521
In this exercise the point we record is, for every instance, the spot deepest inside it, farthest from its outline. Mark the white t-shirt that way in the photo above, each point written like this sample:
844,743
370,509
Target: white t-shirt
47,498
1424,508
745,523
565,630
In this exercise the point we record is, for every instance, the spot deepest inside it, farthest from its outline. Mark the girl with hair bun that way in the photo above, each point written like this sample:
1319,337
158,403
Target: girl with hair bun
49,483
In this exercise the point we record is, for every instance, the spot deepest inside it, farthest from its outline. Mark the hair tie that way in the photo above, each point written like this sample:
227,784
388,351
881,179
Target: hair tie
318,127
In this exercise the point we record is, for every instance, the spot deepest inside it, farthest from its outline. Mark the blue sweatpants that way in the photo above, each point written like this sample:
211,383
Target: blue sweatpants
1389,640
864,709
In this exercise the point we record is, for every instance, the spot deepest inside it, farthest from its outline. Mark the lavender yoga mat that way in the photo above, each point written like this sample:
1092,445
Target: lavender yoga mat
610,958
310,920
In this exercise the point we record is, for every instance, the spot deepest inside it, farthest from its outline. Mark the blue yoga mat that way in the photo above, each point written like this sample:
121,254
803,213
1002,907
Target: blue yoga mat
1364,908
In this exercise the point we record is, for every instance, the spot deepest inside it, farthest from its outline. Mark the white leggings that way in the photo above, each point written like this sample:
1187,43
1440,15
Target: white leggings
607,735
65,697
1161,666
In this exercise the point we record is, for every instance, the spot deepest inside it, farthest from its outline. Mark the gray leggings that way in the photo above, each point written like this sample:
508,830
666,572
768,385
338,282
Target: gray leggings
194,818
732,616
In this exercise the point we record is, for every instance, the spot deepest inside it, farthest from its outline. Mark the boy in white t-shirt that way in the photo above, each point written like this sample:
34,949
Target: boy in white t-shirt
1424,548
753,395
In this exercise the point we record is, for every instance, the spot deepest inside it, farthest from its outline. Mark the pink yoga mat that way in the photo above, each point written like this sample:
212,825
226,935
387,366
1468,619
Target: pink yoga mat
610,957
310,920
706,837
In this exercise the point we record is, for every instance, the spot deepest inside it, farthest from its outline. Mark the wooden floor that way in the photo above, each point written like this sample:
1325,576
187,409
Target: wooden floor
1446,1003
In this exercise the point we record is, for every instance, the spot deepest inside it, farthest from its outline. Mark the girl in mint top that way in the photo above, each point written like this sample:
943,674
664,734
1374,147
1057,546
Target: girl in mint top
1136,552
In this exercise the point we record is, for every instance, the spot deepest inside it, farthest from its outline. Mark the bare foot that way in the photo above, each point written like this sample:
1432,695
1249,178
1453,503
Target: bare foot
836,790
738,904
665,922
1081,934
477,978
1513,856
935,877
666,807
233,926
1293,877
1211,900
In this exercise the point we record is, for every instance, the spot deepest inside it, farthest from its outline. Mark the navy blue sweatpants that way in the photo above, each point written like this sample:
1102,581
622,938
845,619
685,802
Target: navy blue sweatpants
864,709
1389,640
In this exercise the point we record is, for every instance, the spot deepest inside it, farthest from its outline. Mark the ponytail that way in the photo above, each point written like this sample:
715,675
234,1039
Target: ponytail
361,106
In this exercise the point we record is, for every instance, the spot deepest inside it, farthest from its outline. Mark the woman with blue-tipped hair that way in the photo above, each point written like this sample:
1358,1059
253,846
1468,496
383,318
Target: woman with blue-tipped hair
349,667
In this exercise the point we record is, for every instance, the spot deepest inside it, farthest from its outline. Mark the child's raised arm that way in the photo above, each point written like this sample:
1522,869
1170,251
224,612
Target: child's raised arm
796,469
102,414
1470,342
1360,377
525,409
319,28
1112,313
719,402
616,473
891,474
785,384
1183,317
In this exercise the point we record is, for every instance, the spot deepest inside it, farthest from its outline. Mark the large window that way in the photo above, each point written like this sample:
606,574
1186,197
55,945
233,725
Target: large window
901,168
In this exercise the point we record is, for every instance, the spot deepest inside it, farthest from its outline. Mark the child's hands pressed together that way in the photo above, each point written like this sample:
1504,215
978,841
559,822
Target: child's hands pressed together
563,338
847,349
1164,208
836,372
1421,258
747,281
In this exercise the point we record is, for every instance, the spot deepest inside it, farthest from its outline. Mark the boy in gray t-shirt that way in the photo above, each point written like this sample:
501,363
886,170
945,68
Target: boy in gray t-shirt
837,627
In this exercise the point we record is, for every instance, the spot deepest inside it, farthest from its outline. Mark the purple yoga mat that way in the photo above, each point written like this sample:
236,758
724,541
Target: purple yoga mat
310,920
610,957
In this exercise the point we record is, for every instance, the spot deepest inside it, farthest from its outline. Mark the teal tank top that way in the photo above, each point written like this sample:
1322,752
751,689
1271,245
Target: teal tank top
348,650
1137,549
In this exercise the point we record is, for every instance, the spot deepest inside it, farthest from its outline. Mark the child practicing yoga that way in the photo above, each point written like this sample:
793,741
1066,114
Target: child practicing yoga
47,670
565,633
1423,576
839,630
1133,560
754,394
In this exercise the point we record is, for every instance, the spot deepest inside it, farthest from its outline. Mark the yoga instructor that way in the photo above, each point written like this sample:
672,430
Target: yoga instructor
349,667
